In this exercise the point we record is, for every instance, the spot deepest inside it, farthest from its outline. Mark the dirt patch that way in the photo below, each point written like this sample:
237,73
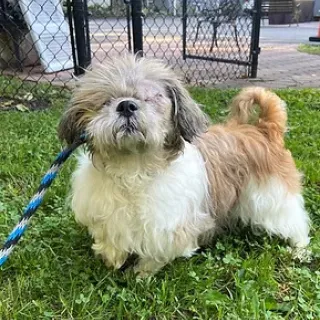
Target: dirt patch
25,104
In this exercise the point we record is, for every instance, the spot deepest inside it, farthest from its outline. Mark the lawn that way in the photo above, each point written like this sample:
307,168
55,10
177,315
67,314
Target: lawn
310,48
53,274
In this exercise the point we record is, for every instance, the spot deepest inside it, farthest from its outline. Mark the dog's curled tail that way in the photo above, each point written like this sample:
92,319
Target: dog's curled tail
271,118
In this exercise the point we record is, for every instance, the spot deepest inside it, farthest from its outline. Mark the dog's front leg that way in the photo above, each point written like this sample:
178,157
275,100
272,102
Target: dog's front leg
183,246
111,256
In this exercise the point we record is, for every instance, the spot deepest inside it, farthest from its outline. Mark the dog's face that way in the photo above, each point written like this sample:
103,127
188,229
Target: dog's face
132,105
133,119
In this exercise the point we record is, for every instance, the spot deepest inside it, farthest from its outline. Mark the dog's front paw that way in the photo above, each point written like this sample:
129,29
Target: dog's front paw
116,262
147,267
143,274
112,257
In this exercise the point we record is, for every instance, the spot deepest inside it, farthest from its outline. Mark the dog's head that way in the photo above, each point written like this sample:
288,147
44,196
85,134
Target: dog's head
132,104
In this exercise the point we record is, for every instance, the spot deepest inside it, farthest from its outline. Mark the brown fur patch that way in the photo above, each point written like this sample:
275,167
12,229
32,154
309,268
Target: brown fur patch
237,151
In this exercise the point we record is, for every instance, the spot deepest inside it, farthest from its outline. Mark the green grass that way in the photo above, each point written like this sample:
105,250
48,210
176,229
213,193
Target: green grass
53,274
309,48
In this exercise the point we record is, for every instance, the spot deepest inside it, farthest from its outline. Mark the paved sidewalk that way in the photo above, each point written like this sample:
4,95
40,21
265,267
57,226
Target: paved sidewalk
281,65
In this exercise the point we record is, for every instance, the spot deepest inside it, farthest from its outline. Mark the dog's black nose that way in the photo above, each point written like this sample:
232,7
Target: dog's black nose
127,108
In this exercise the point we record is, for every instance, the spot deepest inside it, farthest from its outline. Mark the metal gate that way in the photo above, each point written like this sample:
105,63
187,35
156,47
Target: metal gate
223,31
80,28
208,40
77,12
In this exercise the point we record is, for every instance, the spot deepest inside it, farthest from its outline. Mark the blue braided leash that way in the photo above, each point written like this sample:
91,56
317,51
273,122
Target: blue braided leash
37,199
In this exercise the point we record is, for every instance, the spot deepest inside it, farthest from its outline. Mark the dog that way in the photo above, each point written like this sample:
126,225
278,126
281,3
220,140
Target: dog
157,180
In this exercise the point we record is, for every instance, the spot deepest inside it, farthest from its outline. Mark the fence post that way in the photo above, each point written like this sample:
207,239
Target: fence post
255,49
128,17
87,28
71,27
81,28
184,28
137,28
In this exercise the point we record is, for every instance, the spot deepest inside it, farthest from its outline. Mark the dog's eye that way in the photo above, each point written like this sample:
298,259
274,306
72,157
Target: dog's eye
108,101
154,98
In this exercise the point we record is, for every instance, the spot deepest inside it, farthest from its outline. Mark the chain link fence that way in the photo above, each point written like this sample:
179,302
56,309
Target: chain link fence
50,42
207,41
35,53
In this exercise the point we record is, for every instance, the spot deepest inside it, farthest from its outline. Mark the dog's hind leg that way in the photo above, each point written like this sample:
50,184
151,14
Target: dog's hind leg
289,222
271,207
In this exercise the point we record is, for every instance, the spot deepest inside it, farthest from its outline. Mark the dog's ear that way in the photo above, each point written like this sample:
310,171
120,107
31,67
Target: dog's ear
72,123
68,129
188,117
85,101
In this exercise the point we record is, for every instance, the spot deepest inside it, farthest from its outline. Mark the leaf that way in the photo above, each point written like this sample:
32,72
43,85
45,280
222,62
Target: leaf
105,298
28,96
214,297
7,103
21,107
2,206
48,314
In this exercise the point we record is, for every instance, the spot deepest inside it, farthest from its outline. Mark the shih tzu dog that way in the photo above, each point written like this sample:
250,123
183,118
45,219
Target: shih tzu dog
159,182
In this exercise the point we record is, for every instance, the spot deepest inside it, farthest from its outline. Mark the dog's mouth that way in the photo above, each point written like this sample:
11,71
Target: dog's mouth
129,127
127,133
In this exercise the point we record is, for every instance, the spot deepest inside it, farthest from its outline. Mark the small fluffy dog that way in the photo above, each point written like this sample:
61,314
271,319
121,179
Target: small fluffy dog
158,182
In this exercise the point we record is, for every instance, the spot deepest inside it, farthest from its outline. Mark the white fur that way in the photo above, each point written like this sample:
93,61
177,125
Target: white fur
158,216
269,206
161,216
